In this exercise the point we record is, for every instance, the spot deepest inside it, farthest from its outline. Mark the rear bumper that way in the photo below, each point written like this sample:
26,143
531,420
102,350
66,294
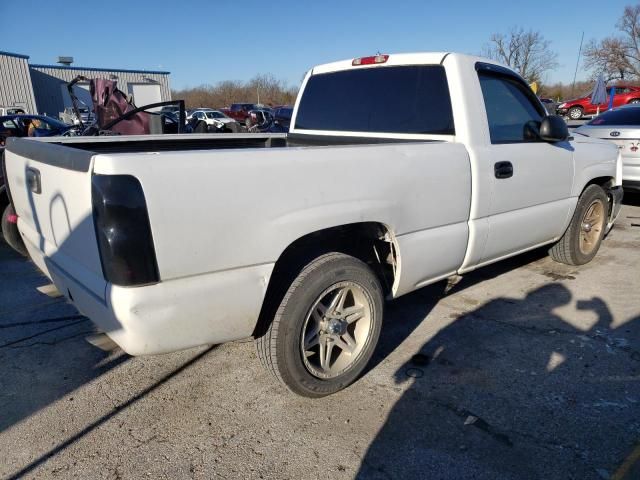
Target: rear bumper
171,315
631,173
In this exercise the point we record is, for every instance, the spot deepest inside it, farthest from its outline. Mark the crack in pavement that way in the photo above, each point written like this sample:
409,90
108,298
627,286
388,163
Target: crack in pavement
45,320
55,342
44,332
33,306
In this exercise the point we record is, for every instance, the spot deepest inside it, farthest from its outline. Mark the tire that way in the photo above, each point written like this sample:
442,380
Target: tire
575,113
635,100
572,248
10,231
291,348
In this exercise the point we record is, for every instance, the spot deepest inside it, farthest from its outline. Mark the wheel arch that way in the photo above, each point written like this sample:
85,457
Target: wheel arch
372,242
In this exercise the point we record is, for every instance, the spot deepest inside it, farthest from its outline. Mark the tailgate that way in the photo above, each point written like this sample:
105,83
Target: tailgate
50,186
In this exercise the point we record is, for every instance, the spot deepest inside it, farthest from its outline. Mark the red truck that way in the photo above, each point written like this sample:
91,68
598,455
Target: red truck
239,111
576,109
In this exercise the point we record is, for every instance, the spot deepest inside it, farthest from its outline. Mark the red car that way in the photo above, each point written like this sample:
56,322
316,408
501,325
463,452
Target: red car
575,109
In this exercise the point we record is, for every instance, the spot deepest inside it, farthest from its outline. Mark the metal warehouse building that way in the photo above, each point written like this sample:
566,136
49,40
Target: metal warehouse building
43,88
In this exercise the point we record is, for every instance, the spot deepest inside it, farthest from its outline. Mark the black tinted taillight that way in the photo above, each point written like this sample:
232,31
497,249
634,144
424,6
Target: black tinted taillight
122,227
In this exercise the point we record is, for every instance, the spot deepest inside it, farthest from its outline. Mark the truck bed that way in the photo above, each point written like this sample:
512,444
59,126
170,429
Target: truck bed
206,141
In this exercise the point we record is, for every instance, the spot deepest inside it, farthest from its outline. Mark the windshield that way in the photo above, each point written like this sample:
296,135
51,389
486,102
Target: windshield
215,115
403,99
620,116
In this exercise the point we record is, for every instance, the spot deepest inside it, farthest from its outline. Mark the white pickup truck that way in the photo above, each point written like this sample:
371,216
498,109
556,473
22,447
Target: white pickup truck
398,171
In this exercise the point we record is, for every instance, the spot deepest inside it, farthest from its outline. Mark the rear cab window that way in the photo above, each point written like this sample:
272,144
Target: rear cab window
408,99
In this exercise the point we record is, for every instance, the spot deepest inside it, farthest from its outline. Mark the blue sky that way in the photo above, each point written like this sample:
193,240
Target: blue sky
209,41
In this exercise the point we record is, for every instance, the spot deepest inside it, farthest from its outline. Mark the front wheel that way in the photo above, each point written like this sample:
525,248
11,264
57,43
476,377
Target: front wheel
326,327
575,113
581,241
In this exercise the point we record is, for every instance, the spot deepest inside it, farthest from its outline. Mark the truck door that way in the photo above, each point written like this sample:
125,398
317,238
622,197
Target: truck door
532,179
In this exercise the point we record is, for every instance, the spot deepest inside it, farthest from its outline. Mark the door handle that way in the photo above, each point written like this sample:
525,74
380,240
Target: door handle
503,169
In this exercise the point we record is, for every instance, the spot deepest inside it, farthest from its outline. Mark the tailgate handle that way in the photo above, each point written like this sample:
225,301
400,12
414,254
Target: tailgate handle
33,180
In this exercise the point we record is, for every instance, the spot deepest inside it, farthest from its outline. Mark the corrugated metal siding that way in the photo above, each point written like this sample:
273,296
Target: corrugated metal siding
47,81
15,82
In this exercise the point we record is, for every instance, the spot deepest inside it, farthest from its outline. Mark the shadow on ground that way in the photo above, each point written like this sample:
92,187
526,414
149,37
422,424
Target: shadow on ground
511,390
44,354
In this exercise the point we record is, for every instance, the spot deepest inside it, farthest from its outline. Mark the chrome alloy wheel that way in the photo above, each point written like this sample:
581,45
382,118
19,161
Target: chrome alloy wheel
336,329
591,227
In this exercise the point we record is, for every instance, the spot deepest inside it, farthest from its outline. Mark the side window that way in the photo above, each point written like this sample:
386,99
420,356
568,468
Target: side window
512,114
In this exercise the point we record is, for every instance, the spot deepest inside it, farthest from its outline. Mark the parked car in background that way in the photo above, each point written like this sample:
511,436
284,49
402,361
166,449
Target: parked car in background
282,116
175,109
576,109
549,105
32,126
240,111
259,120
267,235
212,117
12,111
622,127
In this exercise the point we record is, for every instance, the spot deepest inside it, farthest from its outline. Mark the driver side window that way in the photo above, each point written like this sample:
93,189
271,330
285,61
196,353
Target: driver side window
512,115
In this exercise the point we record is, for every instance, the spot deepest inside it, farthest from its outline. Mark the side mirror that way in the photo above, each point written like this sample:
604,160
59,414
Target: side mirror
553,129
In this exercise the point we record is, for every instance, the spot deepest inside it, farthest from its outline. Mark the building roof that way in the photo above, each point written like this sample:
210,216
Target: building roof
64,67
18,55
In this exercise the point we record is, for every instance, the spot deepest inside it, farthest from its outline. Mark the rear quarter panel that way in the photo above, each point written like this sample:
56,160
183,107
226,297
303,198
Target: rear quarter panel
219,210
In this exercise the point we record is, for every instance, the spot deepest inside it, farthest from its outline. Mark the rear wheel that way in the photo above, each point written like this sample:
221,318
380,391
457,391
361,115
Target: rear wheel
10,230
575,113
581,241
326,327
635,100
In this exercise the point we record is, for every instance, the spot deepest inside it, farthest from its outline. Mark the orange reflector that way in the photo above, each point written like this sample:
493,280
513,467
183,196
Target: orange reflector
370,60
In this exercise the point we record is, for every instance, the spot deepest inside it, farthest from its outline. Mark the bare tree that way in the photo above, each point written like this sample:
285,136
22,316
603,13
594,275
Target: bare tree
267,88
527,52
618,57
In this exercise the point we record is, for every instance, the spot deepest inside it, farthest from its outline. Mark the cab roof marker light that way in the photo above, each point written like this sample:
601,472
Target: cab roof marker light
376,59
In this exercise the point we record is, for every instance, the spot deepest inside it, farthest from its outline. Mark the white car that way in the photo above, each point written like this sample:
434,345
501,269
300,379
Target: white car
297,239
212,117
621,127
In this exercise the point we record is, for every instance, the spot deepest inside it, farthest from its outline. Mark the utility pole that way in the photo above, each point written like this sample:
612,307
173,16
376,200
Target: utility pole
577,64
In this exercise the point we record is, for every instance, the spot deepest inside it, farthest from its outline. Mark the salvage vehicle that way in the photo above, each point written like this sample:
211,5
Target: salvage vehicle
240,112
12,111
579,107
297,239
622,128
214,118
